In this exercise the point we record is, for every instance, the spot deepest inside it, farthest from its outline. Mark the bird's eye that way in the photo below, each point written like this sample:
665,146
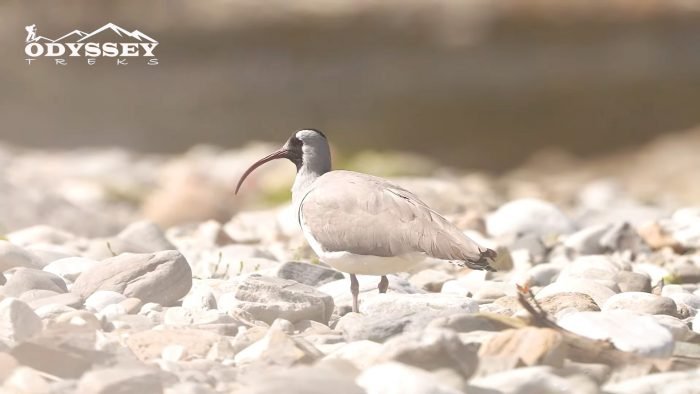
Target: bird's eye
295,142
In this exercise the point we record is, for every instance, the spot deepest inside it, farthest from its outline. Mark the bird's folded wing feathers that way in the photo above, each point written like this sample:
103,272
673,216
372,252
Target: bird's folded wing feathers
367,215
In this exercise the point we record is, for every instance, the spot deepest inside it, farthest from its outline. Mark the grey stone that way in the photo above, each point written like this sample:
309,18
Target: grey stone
308,274
595,290
532,243
66,350
149,345
598,372
382,326
493,290
134,323
685,271
593,267
507,306
103,248
393,377
14,256
200,297
628,331
431,350
81,318
543,274
131,305
34,295
686,227
622,237
116,380
7,364
51,311
695,324
40,234
17,321
669,382
600,193
162,277
690,302
333,376
430,280
468,284
633,281
146,236
362,354
587,240
632,212
538,379
528,216
245,338
522,346
572,301
412,303
467,322
25,279
70,268
267,299
25,380
102,298
190,388
284,325
63,386
678,328
46,253
181,316
278,348
641,303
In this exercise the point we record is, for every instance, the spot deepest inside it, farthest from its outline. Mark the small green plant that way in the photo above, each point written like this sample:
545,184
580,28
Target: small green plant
218,263
109,247
276,196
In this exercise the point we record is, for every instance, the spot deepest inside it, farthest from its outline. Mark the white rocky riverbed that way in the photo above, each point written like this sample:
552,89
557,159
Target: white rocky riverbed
95,297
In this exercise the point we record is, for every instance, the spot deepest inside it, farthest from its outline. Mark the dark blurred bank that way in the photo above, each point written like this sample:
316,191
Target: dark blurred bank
481,84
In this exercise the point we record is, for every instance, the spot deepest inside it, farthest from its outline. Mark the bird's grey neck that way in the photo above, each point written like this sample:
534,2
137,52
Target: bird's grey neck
307,173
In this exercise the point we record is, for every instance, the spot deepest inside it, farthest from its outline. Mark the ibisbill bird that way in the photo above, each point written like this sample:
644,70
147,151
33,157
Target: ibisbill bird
363,224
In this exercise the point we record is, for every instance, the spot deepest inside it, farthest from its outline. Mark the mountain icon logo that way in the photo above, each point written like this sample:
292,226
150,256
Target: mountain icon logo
109,41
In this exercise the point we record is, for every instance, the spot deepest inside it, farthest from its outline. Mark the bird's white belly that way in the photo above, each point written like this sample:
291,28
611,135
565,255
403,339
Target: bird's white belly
369,265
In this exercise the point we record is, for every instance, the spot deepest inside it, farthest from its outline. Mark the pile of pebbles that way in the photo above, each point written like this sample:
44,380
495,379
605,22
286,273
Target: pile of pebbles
232,307
100,300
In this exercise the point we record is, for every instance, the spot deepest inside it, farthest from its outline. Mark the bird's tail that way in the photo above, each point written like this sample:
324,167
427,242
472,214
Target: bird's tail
486,256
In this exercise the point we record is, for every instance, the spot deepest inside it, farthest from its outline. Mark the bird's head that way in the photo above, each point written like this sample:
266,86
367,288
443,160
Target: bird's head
307,149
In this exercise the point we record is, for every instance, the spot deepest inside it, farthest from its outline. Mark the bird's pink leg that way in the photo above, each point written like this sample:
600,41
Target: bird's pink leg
355,290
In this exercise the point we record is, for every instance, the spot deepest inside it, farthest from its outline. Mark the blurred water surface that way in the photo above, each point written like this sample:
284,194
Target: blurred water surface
479,84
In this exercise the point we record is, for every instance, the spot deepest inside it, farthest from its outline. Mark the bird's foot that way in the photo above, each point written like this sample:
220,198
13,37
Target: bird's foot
383,284
355,290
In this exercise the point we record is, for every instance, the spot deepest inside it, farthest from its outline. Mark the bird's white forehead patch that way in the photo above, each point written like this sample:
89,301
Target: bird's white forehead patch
307,134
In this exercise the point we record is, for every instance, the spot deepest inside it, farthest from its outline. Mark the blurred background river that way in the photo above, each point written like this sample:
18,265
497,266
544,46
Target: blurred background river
536,98
479,84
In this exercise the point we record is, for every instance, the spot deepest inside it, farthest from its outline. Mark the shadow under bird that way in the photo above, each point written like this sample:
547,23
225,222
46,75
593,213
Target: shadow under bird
363,224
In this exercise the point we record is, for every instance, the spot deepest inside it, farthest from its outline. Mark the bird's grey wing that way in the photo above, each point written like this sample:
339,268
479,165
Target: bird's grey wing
366,215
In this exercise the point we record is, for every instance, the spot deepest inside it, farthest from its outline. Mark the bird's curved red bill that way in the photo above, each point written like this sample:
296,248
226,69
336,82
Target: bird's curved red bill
279,154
